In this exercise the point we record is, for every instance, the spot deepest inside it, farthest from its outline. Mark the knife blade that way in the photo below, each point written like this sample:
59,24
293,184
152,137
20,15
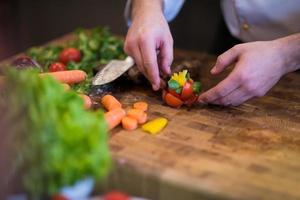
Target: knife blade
113,70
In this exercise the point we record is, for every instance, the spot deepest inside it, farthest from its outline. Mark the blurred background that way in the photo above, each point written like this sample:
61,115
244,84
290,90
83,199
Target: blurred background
24,23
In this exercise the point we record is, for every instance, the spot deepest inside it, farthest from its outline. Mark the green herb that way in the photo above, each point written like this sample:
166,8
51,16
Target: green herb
98,46
174,85
197,87
61,141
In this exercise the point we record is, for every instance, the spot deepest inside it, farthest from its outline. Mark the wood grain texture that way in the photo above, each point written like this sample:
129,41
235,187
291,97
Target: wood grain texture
247,152
208,152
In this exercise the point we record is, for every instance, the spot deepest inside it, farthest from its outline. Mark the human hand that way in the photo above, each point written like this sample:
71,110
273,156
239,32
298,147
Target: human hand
258,67
149,41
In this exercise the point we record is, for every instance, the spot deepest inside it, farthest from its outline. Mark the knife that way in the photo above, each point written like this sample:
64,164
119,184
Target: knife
113,70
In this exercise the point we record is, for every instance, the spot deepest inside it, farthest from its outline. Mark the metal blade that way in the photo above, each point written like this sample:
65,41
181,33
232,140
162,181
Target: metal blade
113,70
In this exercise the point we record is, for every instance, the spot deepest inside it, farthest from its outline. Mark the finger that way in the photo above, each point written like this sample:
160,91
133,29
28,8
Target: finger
223,88
224,60
135,53
235,98
166,56
149,61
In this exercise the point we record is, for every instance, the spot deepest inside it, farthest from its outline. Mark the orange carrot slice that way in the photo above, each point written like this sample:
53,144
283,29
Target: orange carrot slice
69,76
138,114
109,102
114,117
141,105
129,123
87,101
143,119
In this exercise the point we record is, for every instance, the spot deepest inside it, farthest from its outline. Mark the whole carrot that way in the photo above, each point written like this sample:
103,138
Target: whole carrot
87,102
68,77
114,117
109,102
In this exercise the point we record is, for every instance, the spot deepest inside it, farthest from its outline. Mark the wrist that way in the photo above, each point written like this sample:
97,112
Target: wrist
290,48
142,7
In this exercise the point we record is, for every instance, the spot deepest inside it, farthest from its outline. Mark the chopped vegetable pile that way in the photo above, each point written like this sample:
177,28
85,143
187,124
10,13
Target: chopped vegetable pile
88,50
60,141
181,90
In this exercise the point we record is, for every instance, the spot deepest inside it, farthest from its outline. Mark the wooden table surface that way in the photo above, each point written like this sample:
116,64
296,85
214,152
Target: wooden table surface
208,152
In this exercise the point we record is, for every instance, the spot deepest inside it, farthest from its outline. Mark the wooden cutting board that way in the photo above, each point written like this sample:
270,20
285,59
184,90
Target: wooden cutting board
208,152
247,152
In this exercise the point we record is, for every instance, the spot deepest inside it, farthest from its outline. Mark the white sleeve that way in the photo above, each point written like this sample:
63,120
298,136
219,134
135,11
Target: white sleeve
171,9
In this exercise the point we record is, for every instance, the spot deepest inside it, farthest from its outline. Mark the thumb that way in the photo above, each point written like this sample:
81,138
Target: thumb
224,60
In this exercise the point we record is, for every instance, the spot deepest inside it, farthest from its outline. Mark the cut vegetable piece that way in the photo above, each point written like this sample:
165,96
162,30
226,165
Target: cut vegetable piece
114,117
163,95
129,123
109,102
191,100
143,119
141,105
196,87
135,113
187,91
155,125
174,93
87,101
69,77
173,84
173,101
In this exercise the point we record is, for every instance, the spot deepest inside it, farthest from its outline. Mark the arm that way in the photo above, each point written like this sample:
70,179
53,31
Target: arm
149,40
258,67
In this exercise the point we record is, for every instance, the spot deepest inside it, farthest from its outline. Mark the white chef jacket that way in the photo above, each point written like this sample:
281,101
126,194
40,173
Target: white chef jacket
249,20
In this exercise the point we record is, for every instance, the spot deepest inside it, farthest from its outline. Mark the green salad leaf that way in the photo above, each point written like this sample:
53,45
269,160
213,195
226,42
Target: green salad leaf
98,46
61,142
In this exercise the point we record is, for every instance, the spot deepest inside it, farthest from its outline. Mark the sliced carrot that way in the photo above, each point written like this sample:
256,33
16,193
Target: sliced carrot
129,123
114,117
87,101
109,102
69,76
138,114
141,105
143,119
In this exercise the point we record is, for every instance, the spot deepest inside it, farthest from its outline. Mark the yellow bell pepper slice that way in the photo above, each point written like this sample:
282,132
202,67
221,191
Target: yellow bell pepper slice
180,77
155,126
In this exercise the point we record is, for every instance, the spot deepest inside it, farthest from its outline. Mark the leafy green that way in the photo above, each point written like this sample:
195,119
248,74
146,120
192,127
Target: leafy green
45,55
98,46
174,85
61,141
197,87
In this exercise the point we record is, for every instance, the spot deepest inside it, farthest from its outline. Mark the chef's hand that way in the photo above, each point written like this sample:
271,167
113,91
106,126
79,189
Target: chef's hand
149,40
258,67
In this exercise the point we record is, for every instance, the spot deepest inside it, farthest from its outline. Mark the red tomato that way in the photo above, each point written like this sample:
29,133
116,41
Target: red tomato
57,66
115,195
173,92
70,54
187,91
191,100
173,101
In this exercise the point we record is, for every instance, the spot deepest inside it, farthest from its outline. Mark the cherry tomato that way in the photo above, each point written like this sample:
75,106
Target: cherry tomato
115,195
187,91
70,54
173,101
57,66
164,92
174,93
191,100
